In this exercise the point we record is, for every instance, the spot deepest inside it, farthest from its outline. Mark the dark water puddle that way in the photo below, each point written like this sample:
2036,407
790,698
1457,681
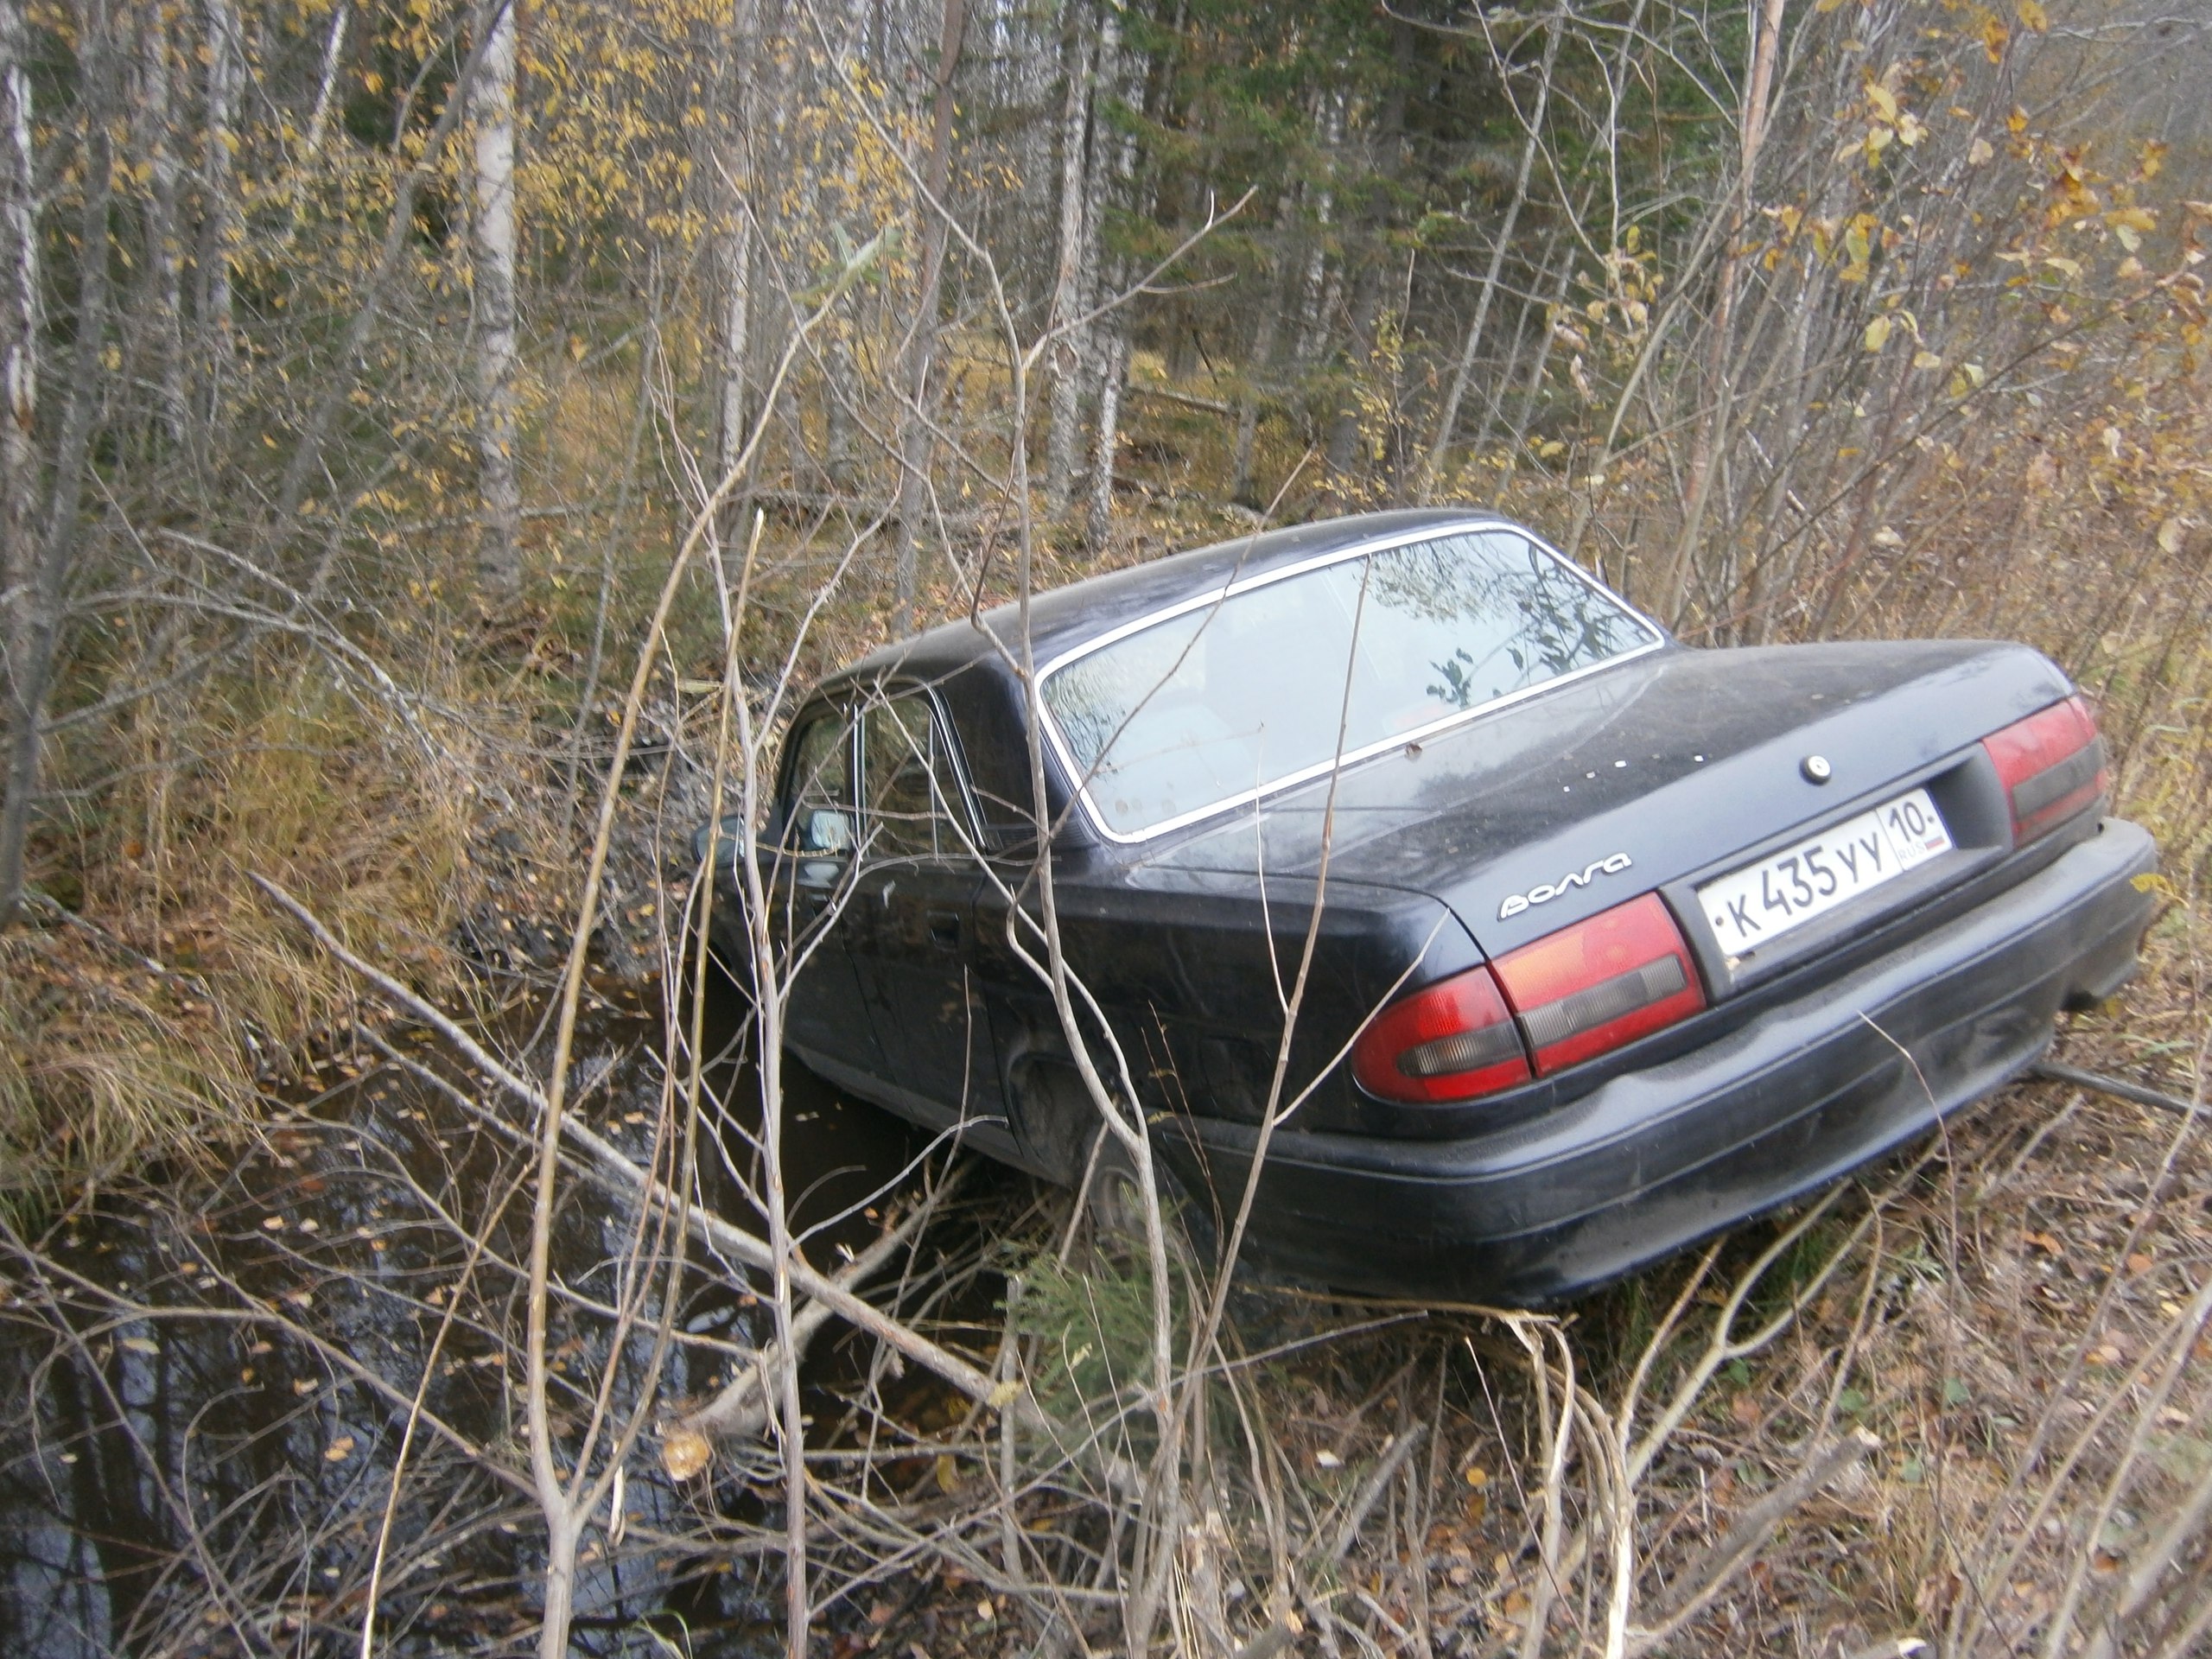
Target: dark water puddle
207,1381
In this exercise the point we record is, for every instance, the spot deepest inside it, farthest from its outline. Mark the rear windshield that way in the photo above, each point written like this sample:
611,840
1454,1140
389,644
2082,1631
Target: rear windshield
1216,704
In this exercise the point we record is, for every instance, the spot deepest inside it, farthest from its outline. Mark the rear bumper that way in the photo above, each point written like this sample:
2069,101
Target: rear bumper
1658,1158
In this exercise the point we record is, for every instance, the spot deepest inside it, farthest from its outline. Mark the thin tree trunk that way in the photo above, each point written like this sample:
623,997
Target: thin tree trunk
1367,282
1099,526
1256,373
19,319
1493,405
733,333
492,101
1075,280
922,337
164,249
1448,422
1705,448
226,49
727,165
326,90
40,606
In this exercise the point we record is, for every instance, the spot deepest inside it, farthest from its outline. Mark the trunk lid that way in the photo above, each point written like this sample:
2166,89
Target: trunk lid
1659,775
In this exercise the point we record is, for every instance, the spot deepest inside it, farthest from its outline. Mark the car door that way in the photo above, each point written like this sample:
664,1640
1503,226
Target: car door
810,891
913,907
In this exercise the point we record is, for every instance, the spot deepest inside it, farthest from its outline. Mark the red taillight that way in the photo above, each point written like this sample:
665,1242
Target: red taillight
1451,1041
2052,765
1592,986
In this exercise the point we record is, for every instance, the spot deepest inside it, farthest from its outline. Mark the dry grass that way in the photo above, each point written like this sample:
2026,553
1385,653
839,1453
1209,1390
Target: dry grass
150,993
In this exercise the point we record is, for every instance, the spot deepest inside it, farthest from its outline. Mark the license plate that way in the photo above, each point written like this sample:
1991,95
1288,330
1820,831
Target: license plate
1754,906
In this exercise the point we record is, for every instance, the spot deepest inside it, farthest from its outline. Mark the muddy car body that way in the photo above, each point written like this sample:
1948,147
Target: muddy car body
1621,942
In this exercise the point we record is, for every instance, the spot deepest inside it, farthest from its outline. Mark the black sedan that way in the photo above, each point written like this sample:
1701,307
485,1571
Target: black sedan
1621,942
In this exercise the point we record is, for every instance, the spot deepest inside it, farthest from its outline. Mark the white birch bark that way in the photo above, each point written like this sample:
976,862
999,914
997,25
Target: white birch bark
1099,526
727,165
491,102
1075,279
922,337
35,623
226,50
334,48
164,248
733,249
19,318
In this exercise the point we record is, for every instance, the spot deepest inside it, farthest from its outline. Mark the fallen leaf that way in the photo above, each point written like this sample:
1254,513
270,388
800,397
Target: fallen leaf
1328,1459
684,1453
338,1450
2138,1264
948,1474
141,1345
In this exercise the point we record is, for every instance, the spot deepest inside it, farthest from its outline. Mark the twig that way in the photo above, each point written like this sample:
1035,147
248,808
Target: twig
2118,1088
1705,1578
712,1230
739,1409
1394,1458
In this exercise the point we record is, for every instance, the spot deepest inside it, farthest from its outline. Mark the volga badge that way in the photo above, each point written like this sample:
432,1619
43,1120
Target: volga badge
1544,892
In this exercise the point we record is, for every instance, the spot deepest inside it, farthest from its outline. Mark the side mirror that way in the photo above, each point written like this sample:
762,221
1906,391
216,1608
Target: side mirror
825,829
715,843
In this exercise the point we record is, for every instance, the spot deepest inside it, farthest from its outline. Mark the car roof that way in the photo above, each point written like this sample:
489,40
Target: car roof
1065,617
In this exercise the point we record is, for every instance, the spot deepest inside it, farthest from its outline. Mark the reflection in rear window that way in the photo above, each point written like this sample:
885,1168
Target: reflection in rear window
1222,701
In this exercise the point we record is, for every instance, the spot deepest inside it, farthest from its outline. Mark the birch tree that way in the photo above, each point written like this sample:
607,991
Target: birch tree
18,341
224,48
1448,421
164,324
1075,278
46,559
920,354
499,558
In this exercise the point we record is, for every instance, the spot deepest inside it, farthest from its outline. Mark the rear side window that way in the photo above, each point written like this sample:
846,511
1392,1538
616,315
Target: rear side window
915,806
1230,697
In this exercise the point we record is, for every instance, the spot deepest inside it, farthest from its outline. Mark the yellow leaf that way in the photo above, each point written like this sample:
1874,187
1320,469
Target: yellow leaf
141,1345
684,1453
1878,333
2170,536
1994,34
2032,15
1884,100
338,1450
1926,361
1005,1394
948,1474
1978,152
